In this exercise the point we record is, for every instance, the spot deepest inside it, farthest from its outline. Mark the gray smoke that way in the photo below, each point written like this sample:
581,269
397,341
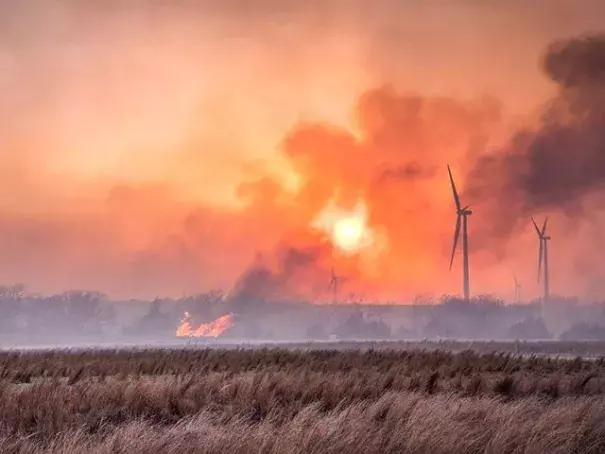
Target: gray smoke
556,165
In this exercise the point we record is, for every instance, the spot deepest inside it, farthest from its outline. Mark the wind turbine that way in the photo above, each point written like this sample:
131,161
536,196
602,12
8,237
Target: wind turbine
543,256
461,218
334,285
517,289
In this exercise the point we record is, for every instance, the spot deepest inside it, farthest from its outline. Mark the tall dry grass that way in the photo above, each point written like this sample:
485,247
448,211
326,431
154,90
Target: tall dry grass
284,401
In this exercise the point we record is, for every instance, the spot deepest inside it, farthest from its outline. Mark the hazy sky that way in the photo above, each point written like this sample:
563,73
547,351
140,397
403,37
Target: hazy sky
128,129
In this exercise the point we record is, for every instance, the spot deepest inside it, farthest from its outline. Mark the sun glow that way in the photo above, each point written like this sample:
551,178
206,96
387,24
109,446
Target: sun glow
348,230
348,233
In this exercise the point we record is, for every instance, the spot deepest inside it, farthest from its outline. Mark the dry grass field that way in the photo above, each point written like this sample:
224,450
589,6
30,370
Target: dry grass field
299,401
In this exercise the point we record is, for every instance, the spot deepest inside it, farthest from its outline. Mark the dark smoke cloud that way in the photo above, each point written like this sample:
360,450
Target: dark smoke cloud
295,265
409,171
551,168
578,62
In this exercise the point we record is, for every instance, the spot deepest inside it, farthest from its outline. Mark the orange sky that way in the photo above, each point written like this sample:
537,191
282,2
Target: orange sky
165,148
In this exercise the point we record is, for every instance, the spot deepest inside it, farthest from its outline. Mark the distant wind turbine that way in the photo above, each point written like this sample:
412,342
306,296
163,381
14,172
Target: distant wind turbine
517,289
335,285
543,256
461,218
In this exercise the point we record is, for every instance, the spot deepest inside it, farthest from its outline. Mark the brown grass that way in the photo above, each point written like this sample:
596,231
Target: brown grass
283,401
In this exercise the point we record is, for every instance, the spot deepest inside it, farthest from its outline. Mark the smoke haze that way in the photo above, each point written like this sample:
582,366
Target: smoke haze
161,148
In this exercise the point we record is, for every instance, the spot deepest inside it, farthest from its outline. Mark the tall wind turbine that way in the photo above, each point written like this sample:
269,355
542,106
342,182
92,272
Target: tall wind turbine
543,256
461,218
334,285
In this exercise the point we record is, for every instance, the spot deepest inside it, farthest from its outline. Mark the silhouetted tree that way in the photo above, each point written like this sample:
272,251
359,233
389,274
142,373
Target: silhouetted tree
316,331
530,328
11,297
356,327
584,331
154,322
203,305
404,333
86,312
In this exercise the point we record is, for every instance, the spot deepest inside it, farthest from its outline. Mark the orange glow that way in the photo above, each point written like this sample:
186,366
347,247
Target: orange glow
210,330
348,229
153,151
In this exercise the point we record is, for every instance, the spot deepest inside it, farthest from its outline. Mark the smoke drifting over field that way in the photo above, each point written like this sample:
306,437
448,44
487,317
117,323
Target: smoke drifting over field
166,149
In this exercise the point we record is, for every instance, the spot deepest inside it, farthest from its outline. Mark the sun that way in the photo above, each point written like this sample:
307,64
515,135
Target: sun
348,230
348,233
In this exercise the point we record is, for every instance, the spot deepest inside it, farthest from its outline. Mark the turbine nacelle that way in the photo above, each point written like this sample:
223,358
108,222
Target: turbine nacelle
541,232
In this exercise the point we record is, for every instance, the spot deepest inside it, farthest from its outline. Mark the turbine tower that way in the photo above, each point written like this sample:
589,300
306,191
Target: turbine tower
517,289
334,285
461,218
543,257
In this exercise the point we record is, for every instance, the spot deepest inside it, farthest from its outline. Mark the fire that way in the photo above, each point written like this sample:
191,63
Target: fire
213,329
348,229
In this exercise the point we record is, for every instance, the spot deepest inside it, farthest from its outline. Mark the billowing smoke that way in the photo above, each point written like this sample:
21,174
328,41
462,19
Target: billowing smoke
294,265
554,166
158,150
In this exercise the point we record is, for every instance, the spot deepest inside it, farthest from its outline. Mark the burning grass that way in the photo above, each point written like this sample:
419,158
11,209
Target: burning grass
278,400
209,330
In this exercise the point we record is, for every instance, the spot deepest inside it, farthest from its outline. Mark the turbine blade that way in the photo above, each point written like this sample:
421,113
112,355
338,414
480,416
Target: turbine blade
540,255
537,228
456,198
456,235
515,279
544,226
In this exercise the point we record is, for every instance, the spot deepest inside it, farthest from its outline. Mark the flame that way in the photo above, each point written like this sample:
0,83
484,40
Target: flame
213,329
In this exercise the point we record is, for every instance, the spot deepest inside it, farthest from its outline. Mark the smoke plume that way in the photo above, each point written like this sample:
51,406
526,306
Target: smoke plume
155,149
553,167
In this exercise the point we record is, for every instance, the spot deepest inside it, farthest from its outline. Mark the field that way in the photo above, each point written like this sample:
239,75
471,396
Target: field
313,399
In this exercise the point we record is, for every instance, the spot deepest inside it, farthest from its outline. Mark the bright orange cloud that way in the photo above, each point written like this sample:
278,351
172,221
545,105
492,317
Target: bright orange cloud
171,150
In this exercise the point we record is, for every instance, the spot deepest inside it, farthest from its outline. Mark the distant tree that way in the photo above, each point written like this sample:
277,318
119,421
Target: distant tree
584,331
251,329
455,305
485,299
245,328
154,322
316,331
437,327
13,292
86,311
477,305
404,333
356,327
202,304
11,297
530,328
426,299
